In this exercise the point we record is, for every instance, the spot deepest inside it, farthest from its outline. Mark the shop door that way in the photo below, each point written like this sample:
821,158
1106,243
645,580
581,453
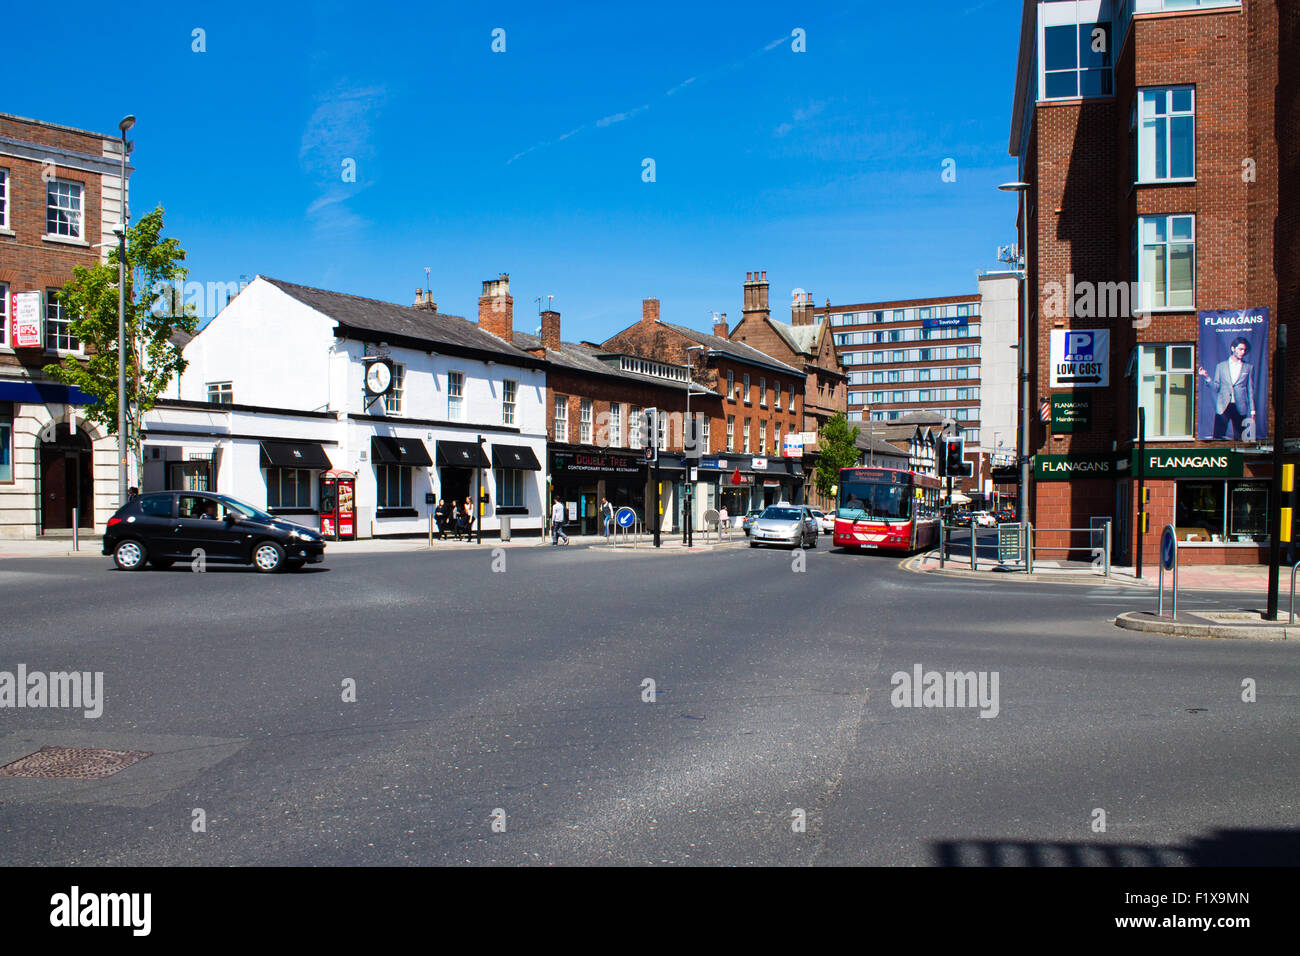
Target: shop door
66,481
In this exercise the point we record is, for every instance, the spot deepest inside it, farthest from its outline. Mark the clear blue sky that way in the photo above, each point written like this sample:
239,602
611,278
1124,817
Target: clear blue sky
822,167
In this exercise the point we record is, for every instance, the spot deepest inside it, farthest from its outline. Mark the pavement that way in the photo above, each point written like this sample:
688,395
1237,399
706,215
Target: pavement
627,708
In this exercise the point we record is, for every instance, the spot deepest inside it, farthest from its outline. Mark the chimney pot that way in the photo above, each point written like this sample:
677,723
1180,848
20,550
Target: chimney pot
551,331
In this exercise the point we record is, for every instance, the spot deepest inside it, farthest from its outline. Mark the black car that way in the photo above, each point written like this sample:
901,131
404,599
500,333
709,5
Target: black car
165,527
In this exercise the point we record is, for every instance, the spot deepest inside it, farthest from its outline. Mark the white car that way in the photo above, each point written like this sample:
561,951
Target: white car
826,522
982,519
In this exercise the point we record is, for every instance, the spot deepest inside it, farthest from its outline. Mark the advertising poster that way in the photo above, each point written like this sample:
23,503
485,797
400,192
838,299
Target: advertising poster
1232,375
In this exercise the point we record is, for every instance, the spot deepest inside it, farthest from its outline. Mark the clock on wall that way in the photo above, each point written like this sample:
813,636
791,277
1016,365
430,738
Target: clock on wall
379,378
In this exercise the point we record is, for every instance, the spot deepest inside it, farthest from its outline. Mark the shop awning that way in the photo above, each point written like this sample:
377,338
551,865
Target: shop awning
295,454
44,393
386,450
462,454
514,456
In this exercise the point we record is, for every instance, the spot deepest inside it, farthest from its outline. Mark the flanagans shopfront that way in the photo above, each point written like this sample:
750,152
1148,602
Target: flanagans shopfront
1217,500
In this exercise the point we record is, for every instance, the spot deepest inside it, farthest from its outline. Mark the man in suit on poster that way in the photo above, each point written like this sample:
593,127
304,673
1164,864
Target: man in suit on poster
1233,385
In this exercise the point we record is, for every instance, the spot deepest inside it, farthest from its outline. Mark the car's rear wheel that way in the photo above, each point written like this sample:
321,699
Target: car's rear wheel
130,555
268,557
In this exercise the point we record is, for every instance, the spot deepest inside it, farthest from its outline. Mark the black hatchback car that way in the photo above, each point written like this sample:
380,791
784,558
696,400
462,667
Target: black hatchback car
165,527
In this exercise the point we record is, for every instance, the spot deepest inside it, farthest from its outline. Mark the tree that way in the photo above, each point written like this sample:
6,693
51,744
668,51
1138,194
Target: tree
837,447
152,318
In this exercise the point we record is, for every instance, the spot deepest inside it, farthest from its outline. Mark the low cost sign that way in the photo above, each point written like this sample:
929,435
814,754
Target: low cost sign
1080,358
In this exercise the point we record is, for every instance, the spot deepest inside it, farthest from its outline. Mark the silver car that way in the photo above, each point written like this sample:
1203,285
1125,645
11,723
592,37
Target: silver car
791,525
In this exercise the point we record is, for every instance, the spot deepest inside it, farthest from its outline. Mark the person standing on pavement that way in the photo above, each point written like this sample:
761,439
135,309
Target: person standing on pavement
557,523
607,512
724,519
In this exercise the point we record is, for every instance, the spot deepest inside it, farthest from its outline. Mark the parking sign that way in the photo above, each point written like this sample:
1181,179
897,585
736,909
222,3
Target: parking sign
1080,358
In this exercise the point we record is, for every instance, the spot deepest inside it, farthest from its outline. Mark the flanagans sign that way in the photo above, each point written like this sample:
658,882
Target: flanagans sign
1074,467
1190,463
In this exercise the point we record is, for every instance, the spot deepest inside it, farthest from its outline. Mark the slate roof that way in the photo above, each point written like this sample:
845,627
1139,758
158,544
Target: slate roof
583,358
735,350
866,443
403,321
800,338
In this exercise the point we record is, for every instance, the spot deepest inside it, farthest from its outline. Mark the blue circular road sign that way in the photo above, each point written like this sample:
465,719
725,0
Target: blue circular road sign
626,517
1168,549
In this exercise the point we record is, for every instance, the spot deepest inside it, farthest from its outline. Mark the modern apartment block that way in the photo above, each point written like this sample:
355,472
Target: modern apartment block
60,196
950,355
1158,141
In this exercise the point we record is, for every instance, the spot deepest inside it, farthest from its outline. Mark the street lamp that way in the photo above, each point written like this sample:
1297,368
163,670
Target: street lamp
688,520
120,229
1022,489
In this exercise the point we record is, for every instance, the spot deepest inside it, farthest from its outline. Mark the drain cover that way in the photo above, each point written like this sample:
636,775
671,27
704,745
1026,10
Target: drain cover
72,763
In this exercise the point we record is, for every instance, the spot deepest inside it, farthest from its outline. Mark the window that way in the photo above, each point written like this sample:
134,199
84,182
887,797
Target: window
455,396
1165,390
584,421
1077,60
762,393
704,434
748,398
776,438
746,447
393,483
762,438
4,199
6,441
288,488
1163,134
4,314
1216,512
791,399
393,397
731,385
561,418
634,425
63,208
661,421
58,333
776,394
509,391
221,393
616,425
510,488
731,433
1164,261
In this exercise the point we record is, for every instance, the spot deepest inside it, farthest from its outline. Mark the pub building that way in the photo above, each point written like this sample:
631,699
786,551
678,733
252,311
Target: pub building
304,402
594,402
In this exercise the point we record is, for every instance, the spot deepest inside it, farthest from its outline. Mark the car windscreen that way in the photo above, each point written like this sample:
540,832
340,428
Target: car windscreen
782,514
246,511
869,499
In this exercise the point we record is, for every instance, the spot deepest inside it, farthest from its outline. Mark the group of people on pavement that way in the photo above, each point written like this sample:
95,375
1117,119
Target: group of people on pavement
454,518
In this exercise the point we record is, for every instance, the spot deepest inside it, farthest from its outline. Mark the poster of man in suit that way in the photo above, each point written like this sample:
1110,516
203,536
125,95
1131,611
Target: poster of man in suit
1232,368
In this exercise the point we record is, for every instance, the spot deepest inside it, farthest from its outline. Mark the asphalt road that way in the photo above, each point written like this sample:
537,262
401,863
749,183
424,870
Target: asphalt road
521,690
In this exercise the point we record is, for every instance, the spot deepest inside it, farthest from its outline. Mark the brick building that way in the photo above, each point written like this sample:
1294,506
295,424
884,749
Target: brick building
804,343
755,402
60,196
1156,138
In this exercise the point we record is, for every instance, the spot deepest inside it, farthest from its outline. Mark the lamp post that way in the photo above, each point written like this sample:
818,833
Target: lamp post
1022,450
688,516
120,229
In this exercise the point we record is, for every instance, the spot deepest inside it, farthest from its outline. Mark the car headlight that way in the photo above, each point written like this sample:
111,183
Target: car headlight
302,536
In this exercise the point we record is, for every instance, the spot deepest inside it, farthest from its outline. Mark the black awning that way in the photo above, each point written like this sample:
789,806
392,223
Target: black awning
295,454
399,451
462,454
514,456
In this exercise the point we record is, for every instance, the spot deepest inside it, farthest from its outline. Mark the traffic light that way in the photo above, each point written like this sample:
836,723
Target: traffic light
692,440
650,434
953,462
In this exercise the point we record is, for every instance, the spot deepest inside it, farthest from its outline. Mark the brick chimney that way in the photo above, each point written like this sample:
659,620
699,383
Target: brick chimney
801,309
496,308
425,302
551,331
650,310
756,295
720,327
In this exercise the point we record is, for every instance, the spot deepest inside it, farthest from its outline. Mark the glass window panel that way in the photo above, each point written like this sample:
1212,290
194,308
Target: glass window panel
1181,100
1182,147
1181,274
1181,227
1062,84
1059,49
1248,509
1199,512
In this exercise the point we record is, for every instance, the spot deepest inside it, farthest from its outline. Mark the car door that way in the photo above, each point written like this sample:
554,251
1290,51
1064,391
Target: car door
152,523
200,525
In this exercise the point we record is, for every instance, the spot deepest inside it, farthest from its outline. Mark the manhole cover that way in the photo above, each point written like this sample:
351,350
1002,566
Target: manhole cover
72,763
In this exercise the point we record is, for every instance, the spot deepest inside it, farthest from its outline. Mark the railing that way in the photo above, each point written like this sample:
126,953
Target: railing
1294,568
1030,546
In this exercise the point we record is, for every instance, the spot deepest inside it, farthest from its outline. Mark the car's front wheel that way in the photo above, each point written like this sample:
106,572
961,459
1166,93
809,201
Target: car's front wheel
268,557
130,555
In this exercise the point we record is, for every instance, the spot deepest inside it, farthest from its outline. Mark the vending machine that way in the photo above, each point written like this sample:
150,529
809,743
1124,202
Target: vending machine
338,505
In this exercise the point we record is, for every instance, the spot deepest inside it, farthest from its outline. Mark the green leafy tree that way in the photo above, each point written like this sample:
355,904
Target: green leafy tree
153,315
836,448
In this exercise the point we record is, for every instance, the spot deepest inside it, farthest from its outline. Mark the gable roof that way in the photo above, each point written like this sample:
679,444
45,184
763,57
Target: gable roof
584,358
800,338
734,350
405,325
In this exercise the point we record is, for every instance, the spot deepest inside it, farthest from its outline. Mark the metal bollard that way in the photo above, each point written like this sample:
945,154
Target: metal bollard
1294,568
76,530
943,543
974,550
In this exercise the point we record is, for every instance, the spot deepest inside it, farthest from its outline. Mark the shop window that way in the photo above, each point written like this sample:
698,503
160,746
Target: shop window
6,441
1218,512
289,488
510,488
393,483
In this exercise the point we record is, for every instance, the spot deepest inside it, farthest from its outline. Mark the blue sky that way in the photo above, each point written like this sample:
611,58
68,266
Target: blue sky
822,167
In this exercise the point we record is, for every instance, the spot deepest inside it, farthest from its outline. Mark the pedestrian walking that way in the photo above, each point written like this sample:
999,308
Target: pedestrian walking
557,523
607,512
724,520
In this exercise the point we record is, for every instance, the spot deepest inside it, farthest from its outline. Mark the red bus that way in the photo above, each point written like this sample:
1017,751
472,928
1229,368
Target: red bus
886,509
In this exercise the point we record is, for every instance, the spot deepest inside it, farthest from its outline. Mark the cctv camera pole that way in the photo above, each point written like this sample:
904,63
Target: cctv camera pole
1142,487
1275,512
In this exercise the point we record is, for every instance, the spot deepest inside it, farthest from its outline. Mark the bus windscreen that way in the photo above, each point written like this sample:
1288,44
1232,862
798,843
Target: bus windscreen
871,499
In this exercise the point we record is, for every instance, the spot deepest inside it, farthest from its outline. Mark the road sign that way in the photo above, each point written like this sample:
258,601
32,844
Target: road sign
625,517
1080,358
1168,549
1011,548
